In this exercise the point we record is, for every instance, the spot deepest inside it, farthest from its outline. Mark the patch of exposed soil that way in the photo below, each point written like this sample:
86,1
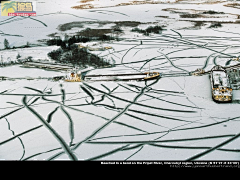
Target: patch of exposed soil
90,6
205,21
85,1
233,5
139,2
83,6
198,2
192,13
213,2
196,25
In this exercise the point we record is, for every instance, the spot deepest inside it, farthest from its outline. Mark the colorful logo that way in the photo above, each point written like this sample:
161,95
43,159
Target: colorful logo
13,8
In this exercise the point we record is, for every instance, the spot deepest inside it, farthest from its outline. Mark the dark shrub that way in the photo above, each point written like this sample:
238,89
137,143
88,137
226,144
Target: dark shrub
215,25
55,54
212,12
189,15
150,29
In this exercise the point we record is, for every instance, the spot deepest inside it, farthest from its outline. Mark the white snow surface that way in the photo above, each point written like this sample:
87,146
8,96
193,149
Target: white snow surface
173,118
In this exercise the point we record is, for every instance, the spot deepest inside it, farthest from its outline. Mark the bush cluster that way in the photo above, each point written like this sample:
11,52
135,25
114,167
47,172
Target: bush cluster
77,57
77,39
150,29
70,41
215,25
212,12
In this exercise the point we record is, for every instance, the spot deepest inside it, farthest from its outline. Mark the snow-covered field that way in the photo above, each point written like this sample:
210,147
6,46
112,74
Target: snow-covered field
171,118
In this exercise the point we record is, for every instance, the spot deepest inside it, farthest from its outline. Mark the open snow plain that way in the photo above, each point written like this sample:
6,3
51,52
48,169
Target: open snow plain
171,118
